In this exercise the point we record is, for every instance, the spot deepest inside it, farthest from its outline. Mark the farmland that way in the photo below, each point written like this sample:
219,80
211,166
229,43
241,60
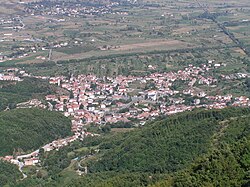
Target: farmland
142,26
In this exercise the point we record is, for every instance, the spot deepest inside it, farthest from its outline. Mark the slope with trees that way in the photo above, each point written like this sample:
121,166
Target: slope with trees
9,173
29,88
198,148
23,130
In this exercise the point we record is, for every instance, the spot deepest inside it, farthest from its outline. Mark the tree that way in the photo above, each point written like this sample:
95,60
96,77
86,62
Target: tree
71,95
106,128
81,106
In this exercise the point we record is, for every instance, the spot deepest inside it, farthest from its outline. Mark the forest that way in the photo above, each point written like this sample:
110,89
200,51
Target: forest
8,173
23,130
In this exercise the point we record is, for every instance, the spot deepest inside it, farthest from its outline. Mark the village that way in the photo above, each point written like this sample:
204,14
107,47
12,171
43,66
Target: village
123,99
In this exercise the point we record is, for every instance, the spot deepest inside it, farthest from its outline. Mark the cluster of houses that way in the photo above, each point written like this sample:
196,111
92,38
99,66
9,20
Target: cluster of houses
23,160
14,23
104,100
31,104
9,26
10,75
235,76
33,158
72,9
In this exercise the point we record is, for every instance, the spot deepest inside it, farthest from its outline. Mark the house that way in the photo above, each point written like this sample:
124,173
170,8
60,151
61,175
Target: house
47,148
51,97
7,158
152,95
59,107
64,98
31,161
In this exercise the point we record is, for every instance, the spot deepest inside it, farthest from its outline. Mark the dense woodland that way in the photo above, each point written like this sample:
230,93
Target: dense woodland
8,173
198,148
23,130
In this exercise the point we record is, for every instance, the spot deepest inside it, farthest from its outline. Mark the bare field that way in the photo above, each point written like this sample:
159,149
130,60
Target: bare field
238,50
154,43
129,48
186,29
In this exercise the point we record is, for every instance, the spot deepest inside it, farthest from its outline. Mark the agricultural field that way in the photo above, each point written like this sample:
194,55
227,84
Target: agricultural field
135,28
122,37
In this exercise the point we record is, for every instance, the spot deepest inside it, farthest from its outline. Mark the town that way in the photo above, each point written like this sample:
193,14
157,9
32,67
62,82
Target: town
131,99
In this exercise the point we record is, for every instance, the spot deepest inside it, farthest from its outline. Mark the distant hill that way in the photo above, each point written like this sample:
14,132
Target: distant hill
28,129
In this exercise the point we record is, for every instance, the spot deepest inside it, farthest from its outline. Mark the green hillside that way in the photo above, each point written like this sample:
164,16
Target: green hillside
198,148
29,88
28,129
165,146
8,173
228,164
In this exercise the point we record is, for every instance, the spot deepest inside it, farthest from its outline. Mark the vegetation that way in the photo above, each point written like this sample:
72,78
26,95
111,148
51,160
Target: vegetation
9,173
198,148
29,88
28,129
227,164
